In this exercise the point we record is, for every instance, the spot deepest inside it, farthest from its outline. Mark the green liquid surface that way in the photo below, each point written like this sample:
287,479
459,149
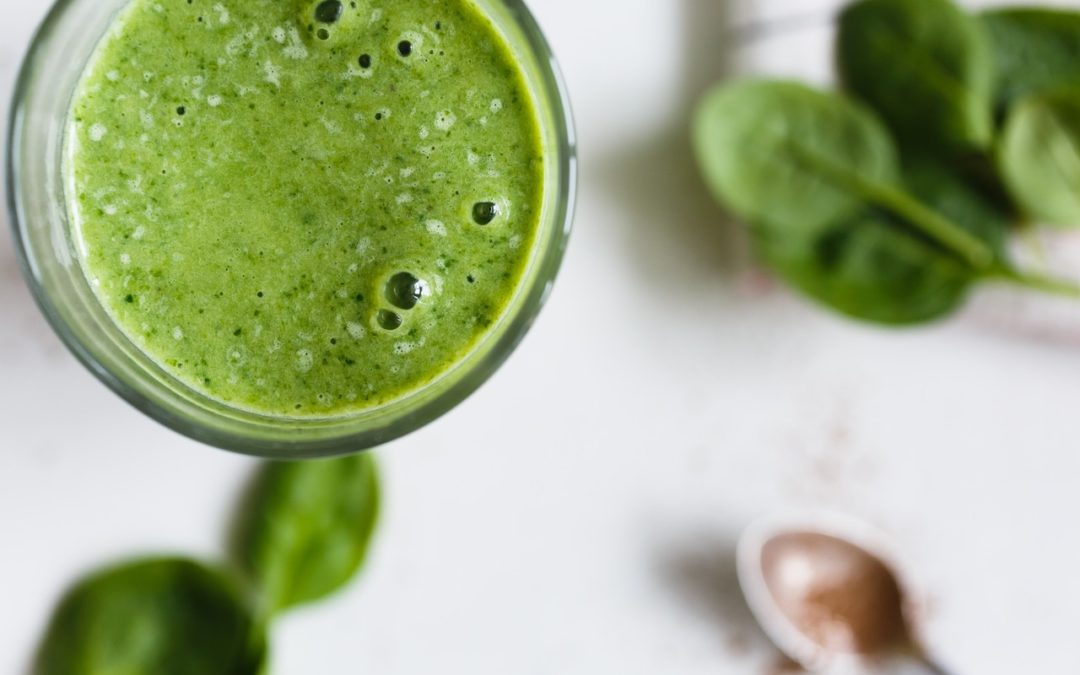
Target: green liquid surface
300,216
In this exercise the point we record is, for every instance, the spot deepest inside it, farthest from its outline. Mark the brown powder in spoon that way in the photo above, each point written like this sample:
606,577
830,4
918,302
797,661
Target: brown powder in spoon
838,595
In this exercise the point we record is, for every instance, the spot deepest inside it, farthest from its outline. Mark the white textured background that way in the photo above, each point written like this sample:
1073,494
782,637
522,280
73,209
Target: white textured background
578,515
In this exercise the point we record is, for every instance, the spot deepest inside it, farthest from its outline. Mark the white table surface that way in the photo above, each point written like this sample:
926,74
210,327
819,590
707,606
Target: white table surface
577,516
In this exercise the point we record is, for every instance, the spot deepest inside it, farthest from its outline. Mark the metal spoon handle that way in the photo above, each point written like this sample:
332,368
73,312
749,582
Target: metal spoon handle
931,668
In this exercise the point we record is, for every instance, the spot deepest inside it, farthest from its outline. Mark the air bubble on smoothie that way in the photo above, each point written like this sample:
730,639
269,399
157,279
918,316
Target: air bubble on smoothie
402,348
361,72
404,290
177,333
295,49
323,399
214,100
272,73
110,209
355,330
389,320
472,158
329,11
139,233
97,132
125,259
444,120
278,34
404,198
496,105
485,212
408,44
112,76
436,227
305,360
424,132
407,171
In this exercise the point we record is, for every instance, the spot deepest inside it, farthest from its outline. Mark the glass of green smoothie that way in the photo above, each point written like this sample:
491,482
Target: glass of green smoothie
291,228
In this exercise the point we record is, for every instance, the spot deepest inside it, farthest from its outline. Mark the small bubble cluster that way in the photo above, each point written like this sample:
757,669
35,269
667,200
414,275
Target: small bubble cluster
403,292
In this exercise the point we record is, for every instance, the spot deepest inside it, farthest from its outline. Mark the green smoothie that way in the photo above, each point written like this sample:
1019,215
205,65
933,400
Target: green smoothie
305,208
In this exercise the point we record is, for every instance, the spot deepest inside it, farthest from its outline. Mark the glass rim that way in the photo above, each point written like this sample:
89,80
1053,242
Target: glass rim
282,437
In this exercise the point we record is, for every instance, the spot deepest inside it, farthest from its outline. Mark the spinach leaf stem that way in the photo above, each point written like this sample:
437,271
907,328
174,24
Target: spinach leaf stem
970,248
1036,281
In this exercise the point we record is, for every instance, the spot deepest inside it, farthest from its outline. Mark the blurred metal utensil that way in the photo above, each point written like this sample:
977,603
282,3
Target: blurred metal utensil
826,592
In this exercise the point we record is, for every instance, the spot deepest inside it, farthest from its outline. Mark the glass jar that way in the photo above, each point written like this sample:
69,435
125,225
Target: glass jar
39,210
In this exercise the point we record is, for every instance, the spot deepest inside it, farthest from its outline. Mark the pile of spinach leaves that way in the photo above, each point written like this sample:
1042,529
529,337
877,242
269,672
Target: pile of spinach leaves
302,534
889,200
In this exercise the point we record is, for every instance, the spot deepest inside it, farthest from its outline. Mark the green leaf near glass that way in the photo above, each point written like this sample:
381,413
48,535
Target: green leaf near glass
305,530
301,536
888,199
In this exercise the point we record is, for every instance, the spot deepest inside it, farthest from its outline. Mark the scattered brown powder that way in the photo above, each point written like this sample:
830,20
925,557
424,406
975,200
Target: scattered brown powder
784,666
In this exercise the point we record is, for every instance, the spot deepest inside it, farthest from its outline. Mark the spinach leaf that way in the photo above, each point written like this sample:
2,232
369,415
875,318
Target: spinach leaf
784,155
976,203
1035,50
306,529
868,267
156,617
769,150
1039,157
924,65
818,177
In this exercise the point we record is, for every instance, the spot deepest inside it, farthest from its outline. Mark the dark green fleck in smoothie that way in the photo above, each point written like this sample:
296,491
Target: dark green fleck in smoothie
305,208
